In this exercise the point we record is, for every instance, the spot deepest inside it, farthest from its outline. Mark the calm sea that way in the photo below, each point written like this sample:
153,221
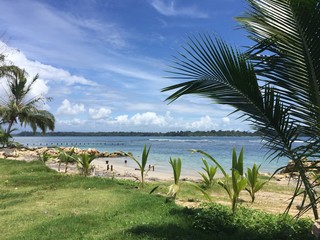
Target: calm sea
162,148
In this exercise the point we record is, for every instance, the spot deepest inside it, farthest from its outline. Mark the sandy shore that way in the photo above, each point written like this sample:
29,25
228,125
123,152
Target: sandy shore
119,167
126,168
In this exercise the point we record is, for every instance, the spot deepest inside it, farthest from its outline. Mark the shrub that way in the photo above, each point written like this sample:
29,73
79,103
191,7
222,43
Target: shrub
250,224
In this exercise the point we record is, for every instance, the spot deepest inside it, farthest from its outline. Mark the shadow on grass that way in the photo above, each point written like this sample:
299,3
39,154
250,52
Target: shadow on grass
90,227
180,229
169,231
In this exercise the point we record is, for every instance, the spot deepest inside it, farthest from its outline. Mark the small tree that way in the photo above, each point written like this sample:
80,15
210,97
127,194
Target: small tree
44,157
235,183
19,106
142,165
210,172
66,157
253,183
84,161
176,167
5,137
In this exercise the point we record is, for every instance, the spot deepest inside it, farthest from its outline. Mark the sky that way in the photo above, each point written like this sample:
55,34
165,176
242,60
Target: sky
104,62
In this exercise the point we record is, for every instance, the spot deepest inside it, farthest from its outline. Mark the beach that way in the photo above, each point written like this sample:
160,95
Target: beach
117,167
125,168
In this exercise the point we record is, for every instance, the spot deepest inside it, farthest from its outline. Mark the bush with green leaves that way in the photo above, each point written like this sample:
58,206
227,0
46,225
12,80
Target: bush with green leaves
174,188
235,183
84,161
253,183
5,137
44,157
66,156
208,176
176,167
250,224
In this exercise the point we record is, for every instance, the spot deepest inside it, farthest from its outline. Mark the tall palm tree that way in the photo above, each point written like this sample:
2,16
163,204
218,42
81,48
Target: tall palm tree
275,83
18,106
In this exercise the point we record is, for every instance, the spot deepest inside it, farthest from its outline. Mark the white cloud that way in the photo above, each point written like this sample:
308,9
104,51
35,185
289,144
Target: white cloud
70,109
45,72
148,118
226,120
100,113
72,122
131,72
169,8
205,123
122,119
144,119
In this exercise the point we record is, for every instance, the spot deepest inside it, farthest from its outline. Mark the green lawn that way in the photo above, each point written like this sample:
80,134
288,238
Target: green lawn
38,203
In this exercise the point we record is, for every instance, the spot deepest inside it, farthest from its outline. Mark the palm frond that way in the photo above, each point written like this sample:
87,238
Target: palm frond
290,60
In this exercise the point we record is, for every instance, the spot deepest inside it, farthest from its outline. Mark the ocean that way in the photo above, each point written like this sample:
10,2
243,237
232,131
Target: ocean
162,148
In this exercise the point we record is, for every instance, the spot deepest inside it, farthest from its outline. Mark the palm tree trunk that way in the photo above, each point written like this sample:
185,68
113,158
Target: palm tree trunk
66,167
9,127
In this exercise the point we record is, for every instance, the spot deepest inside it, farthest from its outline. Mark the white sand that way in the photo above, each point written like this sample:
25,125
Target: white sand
130,169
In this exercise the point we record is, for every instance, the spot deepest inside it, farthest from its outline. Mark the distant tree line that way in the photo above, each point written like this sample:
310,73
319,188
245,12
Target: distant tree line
153,134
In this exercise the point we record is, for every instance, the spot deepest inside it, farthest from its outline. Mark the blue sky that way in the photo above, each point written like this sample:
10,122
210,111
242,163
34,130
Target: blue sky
104,62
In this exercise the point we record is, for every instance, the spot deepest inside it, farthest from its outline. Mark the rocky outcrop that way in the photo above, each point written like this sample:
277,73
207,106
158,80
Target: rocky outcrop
308,165
33,153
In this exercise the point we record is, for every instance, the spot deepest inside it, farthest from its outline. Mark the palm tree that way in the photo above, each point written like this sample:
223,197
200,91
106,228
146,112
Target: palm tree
6,71
18,106
84,161
275,84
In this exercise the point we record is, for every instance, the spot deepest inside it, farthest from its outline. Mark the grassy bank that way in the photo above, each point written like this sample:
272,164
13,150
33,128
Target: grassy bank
38,203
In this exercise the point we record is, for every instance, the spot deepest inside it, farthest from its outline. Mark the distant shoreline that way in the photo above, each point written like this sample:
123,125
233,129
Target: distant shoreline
212,133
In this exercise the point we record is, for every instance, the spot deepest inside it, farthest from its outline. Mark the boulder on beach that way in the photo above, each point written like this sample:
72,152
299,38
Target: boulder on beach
310,165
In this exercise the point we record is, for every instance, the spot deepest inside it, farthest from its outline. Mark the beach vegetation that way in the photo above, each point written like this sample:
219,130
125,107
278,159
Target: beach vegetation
66,156
142,164
253,183
44,157
5,137
238,181
233,185
250,223
273,83
174,188
84,161
208,175
236,133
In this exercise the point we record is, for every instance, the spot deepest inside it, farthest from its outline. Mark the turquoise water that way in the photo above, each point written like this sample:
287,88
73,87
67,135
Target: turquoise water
162,148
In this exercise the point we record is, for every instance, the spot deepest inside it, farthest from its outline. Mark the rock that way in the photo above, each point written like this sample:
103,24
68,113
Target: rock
115,155
308,164
7,153
41,150
93,151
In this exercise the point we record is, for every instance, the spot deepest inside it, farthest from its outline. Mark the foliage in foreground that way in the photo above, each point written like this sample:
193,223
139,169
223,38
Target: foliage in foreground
274,84
44,204
235,183
250,224
48,205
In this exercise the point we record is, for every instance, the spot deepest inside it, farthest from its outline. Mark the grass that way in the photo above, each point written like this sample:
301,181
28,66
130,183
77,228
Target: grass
39,203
